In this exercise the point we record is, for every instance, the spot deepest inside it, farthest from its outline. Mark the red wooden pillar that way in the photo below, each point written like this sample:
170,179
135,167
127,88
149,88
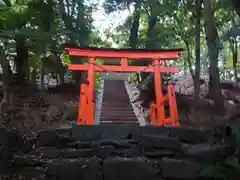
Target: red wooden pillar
158,92
82,104
124,62
90,118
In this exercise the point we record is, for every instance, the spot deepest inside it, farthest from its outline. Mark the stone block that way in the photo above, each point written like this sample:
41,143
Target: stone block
31,173
120,131
154,130
50,137
159,153
189,134
121,144
73,169
179,169
84,144
128,169
46,152
75,153
160,141
28,160
86,132
104,151
206,153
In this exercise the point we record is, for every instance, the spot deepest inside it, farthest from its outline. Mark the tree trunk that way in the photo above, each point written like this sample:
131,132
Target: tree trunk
185,67
236,7
33,77
42,83
7,76
59,67
152,21
189,62
213,44
21,60
133,37
197,50
235,58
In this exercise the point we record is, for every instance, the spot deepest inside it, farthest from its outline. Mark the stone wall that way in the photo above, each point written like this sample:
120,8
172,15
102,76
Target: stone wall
110,152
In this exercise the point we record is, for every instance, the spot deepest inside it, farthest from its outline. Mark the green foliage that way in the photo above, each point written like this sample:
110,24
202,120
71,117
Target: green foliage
116,5
221,170
49,26
213,171
65,59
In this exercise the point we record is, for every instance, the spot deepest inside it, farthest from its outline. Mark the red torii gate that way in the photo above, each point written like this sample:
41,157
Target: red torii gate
86,105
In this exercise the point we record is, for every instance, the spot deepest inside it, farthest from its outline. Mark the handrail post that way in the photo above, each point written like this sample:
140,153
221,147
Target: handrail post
90,109
159,94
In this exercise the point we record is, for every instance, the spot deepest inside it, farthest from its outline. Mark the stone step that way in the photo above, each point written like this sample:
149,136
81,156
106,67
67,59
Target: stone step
113,119
124,102
116,101
117,108
118,122
117,114
116,105
114,150
116,118
109,97
120,112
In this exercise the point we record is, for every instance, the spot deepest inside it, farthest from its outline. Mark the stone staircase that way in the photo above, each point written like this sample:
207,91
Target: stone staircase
110,151
116,106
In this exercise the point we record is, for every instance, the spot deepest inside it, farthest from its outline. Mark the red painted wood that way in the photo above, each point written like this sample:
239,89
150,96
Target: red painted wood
153,55
101,68
130,54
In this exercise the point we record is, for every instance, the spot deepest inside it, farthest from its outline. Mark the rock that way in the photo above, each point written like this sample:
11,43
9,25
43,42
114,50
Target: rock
73,169
134,151
86,132
31,173
115,143
104,151
205,152
105,131
51,113
9,142
119,131
47,152
84,144
30,141
4,150
50,137
179,169
154,130
64,139
128,169
28,160
159,153
74,153
189,134
161,142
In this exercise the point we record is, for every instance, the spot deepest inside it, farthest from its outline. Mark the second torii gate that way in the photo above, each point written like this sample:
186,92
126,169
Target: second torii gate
86,105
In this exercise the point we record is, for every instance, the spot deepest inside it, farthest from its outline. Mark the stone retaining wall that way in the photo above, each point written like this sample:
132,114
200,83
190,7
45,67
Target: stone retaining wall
113,152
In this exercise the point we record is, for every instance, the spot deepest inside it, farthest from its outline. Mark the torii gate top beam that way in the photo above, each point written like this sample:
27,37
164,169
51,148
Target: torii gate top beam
134,54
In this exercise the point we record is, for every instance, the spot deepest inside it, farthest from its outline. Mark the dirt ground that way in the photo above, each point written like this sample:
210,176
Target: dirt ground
57,107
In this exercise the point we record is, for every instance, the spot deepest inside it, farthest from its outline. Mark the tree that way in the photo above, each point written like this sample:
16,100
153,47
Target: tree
213,43
197,50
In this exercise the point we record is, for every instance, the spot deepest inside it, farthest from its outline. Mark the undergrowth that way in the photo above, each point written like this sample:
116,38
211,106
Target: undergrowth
229,167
